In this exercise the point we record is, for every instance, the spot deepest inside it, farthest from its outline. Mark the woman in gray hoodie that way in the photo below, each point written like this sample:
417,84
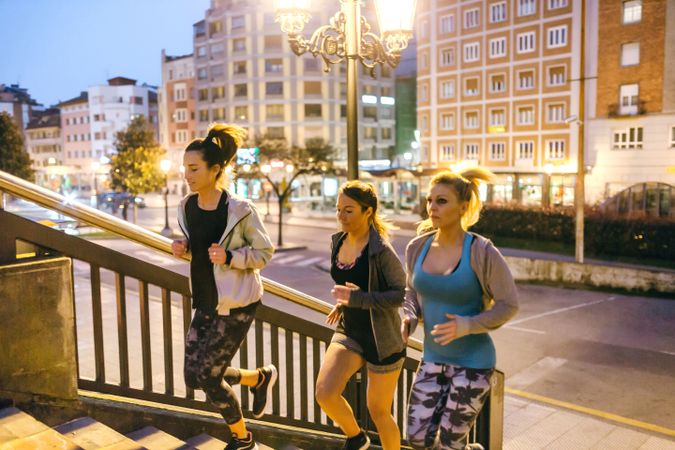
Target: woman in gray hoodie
228,245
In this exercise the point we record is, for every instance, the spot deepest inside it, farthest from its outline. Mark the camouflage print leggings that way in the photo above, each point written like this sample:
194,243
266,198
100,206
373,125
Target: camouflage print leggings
445,398
211,342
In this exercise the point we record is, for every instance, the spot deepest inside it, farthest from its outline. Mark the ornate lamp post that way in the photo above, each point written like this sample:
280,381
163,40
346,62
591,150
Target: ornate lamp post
348,36
165,165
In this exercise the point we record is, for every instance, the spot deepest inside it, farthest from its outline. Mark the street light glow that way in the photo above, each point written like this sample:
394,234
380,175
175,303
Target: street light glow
290,168
266,169
165,165
395,15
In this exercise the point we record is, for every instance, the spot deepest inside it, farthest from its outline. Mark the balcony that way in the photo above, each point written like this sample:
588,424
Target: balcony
616,110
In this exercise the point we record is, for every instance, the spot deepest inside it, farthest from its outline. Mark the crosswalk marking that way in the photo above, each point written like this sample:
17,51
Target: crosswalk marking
310,261
287,259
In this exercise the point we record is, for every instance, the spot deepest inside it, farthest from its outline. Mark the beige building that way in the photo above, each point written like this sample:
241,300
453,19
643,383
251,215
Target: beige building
43,143
496,81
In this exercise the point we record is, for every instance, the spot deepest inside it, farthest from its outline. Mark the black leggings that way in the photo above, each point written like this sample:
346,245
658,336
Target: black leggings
210,345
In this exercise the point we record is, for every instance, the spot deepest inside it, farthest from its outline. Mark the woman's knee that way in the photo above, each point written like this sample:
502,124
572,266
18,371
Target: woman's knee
379,410
325,392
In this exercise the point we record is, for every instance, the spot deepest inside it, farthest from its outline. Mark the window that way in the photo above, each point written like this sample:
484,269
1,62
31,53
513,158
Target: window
448,89
240,90
202,74
471,52
497,47
629,98
471,18
275,112
447,24
311,65
386,133
312,87
276,132
203,115
526,7
471,151
274,88
556,76
447,121
555,113
313,111
447,57
424,30
181,136
447,152
526,79
525,115
370,112
179,92
217,50
471,86
239,68
217,71
180,115
498,12
525,42
217,92
424,61
273,43
498,83
557,37
238,45
201,51
526,150
556,4
218,113
628,139
497,151
203,95
275,65
497,117
370,133
215,27
424,93
240,112
632,11
630,54
471,119
386,113
555,149
238,22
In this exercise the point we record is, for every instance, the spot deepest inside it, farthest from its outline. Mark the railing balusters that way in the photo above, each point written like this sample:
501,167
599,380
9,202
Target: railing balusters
168,341
97,318
303,378
243,363
399,399
316,365
259,344
145,334
187,318
290,379
274,331
122,338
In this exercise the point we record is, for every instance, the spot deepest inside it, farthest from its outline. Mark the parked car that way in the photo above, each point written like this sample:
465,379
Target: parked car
115,200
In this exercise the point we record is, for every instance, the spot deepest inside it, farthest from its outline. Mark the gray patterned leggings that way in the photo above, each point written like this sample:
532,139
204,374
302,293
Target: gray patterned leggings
211,342
444,403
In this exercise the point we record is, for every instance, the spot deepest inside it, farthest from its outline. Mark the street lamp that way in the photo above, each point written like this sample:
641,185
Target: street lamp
95,166
348,36
266,169
165,165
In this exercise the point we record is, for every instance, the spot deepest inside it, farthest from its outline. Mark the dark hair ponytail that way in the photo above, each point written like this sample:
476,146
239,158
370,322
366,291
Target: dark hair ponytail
364,194
220,145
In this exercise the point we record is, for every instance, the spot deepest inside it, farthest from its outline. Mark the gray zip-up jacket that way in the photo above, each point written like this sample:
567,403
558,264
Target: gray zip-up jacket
500,296
239,283
386,288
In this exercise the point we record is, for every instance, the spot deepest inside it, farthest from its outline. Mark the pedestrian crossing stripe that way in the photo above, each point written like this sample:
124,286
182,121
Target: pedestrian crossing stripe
287,259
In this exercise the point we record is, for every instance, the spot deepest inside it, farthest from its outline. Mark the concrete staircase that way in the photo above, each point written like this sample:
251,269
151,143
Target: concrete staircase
20,431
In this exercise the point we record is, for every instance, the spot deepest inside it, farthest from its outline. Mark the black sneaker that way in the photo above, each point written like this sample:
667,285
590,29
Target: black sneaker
359,442
263,391
242,444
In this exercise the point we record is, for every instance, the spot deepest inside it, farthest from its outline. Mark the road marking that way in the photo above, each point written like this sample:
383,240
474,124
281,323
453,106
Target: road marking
157,259
536,371
309,261
526,330
667,352
560,310
287,259
593,412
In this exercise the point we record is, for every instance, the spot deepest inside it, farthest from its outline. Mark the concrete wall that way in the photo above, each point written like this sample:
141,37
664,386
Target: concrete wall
37,355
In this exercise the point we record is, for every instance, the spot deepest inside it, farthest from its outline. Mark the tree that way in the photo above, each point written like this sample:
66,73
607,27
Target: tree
315,157
135,168
13,156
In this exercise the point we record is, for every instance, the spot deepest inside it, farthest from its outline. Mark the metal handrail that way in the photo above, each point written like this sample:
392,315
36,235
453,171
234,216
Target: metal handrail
20,188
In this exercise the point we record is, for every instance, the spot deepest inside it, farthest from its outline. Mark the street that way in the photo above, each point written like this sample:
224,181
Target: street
609,352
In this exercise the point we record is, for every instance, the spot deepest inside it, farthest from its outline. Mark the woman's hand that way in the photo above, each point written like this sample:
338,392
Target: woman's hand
217,254
334,315
341,294
445,332
405,329
179,247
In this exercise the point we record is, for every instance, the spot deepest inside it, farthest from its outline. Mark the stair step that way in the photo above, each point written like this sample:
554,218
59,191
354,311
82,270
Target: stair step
91,434
206,442
16,424
154,439
44,440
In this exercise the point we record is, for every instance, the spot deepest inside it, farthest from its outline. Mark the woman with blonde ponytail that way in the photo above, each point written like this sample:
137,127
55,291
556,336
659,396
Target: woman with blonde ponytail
369,287
228,245
460,287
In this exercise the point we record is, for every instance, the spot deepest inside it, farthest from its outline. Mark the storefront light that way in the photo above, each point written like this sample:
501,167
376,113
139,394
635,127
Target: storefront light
369,99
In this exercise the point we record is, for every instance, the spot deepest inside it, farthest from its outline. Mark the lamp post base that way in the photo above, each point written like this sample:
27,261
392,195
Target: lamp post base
167,232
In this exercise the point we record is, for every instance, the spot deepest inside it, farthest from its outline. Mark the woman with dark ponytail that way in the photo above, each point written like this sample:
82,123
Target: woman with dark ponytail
369,287
228,245
459,285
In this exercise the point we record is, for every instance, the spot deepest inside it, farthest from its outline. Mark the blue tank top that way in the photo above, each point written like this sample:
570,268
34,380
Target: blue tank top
457,293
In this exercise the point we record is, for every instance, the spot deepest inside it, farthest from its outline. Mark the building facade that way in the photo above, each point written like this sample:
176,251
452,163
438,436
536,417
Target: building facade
44,146
631,114
17,102
246,73
497,80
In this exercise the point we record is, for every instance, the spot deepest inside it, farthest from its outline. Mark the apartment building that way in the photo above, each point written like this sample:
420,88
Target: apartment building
17,102
631,115
76,131
497,80
246,73
177,100
43,143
